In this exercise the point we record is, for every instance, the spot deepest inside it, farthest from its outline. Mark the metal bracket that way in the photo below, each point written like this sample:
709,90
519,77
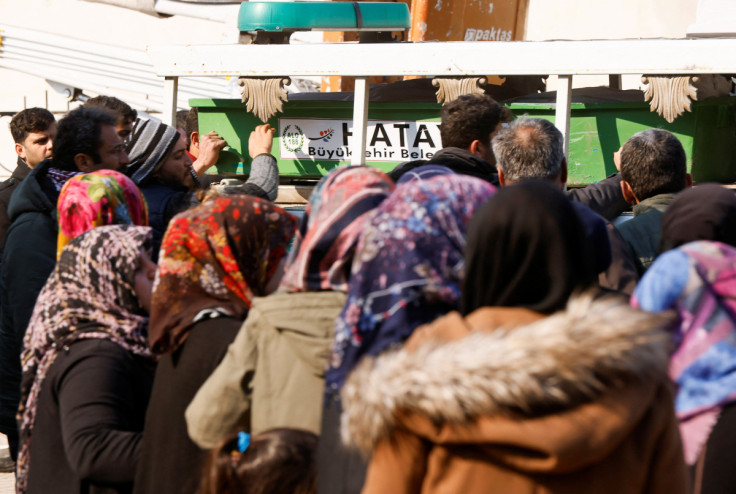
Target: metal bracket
264,96
449,88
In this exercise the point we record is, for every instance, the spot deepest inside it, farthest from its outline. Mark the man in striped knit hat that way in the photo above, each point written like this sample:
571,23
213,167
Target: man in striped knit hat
170,180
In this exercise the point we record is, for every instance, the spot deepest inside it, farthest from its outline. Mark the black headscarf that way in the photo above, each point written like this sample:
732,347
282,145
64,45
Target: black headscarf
526,248
705,212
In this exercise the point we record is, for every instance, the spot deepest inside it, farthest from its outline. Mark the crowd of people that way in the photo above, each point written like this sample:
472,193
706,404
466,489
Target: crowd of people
463,324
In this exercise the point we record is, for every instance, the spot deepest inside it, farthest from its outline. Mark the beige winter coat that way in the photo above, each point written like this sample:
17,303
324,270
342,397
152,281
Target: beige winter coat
273,373
578,402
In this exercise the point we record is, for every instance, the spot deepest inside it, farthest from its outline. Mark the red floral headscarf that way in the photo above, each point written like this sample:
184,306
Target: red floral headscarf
216,256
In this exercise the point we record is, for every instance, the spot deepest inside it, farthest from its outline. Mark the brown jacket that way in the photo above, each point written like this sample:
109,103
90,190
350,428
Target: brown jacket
578,402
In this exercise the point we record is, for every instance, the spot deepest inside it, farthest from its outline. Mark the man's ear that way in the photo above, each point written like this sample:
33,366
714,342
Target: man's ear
628,192
475,147
563,172
501,178
688,180
20,150
193,141
84,162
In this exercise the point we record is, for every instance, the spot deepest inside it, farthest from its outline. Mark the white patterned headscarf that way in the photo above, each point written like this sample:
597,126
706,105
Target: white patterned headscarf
89,295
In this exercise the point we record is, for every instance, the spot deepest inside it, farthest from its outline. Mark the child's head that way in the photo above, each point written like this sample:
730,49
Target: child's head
277,461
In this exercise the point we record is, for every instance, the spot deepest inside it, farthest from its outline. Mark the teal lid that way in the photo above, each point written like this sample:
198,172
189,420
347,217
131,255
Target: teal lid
323,16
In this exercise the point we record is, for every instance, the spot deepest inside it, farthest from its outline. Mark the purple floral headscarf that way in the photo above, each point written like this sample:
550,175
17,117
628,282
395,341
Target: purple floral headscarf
407,269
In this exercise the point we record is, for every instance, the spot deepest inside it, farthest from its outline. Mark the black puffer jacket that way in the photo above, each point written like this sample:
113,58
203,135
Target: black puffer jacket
28,258
458,160
6,191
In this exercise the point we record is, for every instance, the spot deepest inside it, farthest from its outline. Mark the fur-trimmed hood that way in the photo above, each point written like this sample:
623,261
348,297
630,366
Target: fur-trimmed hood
541,369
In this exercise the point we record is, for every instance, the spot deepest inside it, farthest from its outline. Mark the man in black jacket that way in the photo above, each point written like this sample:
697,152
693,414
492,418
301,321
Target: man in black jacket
86,141
33,131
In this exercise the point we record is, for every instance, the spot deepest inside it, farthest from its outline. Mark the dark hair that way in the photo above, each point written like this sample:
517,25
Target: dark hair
470,117
653,162
79,132
120,108
527,247
30,120
192,124
181,122
705,212
529,148
277,461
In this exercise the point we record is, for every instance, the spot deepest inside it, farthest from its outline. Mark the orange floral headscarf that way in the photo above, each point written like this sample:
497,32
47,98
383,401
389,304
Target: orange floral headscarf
216,256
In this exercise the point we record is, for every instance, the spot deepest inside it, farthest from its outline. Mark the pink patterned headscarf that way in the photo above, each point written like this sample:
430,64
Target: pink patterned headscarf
103,197
338,208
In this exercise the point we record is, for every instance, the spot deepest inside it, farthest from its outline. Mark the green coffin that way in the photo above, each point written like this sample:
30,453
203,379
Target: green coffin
312,135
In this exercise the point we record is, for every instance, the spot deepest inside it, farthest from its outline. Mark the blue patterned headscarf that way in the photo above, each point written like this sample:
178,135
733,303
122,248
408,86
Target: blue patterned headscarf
408,267
424,173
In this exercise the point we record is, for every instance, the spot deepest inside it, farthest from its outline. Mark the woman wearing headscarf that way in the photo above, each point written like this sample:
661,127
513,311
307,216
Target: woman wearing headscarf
87,368
696,279
273,373
407,271
103,197
214,259
524,390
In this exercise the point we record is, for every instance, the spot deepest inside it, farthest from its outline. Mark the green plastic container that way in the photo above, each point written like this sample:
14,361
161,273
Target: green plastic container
341,16
409,131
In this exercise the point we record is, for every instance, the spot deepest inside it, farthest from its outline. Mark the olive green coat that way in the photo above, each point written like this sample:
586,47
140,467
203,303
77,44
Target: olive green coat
273,373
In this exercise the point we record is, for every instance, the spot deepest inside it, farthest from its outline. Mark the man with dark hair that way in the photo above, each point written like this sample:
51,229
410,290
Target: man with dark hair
470,122
468,125
199,145
33,131
86,141
90,142
125,115
532,149
653,170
